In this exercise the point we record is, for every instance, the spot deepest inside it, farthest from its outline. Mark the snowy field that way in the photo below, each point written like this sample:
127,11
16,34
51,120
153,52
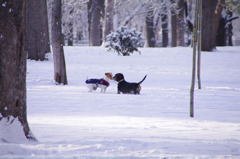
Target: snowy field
72,123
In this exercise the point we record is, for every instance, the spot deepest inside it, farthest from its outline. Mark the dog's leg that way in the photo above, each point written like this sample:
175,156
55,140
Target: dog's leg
137,90
90,87
101,88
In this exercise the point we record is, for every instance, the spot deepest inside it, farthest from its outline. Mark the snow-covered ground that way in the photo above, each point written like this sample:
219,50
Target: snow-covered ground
70,122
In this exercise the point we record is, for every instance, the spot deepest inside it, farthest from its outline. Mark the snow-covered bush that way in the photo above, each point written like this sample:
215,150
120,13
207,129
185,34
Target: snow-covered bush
124,41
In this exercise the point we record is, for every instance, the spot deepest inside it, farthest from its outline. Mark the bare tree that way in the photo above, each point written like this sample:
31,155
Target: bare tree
70,25
150,29
135,12
164,19
162,12
74,20
37,34
95,28
109,13
13,63
60,74
173,24
210,20
180,22
173,29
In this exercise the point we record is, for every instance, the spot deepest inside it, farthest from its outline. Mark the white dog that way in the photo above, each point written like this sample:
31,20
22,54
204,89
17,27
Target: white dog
103,83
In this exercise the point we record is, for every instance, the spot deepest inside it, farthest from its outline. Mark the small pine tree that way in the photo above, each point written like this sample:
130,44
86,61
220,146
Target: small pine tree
124,41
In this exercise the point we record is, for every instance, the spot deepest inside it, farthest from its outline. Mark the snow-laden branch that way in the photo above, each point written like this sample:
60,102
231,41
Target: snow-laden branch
134,12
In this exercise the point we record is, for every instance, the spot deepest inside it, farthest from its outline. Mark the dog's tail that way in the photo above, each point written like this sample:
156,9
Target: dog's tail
142,80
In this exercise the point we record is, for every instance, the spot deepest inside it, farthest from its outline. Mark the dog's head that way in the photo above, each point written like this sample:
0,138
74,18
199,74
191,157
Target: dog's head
109,75
118,77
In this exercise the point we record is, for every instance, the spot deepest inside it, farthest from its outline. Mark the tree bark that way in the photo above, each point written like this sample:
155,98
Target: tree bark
60,74
229,32
89,6
210,22
109,13
13,63
180,23
94,15
37,34
69,35
150,29
173,29
164,18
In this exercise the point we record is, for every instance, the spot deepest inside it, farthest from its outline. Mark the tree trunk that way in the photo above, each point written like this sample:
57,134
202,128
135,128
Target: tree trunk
188,15
164,18
173,26
94,15
37,34
70,27
173,29
109,13
70,34
13,63
60,74
150,31
102,16
210,22
180,23
229,32
89,6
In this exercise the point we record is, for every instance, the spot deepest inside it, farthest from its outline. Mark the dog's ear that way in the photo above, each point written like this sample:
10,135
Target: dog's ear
111,75
108,73
119,76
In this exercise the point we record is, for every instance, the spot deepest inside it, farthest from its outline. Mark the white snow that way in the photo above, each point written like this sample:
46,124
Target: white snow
9,127
71,122
4,4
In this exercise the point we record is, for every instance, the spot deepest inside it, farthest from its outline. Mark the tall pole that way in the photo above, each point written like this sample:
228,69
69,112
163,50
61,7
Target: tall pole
193,61
199,33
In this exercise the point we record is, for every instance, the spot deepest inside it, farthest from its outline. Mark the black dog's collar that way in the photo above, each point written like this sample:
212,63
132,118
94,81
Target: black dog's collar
120,80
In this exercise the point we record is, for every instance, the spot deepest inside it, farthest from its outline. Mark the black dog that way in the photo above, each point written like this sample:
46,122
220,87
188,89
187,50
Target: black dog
126,87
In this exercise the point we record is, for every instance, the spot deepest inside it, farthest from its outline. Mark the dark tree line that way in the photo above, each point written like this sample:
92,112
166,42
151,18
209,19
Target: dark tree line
181,24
